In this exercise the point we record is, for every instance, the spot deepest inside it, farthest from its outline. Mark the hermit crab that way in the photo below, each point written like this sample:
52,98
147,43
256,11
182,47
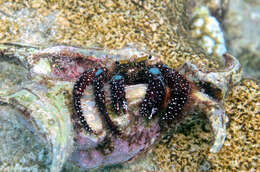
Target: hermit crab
98,107
166,87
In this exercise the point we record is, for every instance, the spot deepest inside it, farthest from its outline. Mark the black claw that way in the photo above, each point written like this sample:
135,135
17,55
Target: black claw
98,84
180,89
118,94
78,90
154,94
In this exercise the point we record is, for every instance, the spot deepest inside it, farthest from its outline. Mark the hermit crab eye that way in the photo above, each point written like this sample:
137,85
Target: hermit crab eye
117,62
150,57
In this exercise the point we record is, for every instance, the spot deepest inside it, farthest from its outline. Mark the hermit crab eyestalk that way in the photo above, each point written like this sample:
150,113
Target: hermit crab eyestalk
117,63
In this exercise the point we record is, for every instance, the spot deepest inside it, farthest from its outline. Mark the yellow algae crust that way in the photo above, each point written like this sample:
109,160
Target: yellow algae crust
189,152
161,26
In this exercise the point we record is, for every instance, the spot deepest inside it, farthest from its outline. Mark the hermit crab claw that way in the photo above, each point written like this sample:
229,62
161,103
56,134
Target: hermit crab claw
210,100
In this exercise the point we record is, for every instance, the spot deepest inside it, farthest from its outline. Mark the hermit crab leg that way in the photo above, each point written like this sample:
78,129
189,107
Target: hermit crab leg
154,94
78,90
98,84
180,89
215,113
118,93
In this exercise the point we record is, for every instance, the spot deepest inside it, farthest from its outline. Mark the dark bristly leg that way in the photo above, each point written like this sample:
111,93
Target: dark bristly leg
154,94
180,89
118,94
78,90
98,84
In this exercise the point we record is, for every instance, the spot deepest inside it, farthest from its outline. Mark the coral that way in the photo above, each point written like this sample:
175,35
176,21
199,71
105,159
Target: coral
242,146
159,25
185,149
207,30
